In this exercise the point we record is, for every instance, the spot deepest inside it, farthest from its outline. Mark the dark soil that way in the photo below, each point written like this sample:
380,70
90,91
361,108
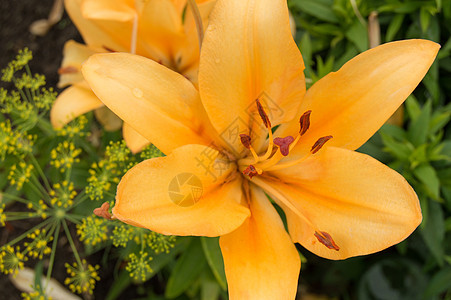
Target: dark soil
15,19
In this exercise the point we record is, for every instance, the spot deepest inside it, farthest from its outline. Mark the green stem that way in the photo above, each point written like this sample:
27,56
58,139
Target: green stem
52,256
23,235
71,242
46,127
40,171
16,198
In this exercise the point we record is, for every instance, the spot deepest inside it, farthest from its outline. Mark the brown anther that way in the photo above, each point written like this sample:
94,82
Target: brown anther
263,114
250,171
304,122
108,49
245,140
325,239
284,144
103,212
68,70
320,143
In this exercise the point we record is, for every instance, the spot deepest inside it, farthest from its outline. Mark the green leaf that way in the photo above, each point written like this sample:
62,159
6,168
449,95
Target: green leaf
214,258
119,285
425,17
317,9
394,27
438,121
412,107
433,232
399,149
418,129
306,51
358,35
187,269
439,283
209,289
427,175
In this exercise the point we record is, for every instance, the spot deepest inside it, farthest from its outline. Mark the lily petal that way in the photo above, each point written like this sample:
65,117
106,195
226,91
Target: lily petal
135,142
261,261
182,194
95,34
71,103
109,121
362,204
248,53
117,10
161,105
353,103
74,54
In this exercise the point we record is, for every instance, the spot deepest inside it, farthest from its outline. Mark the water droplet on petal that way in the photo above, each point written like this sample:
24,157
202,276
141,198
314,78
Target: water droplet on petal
137,93
217,60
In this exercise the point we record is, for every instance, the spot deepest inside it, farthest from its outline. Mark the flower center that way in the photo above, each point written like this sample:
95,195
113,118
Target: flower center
270,160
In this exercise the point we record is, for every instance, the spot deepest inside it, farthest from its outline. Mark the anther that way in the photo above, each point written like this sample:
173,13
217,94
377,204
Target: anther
320,143
304,122
103,212
263,114
108,49
325,239
67,70
245,140
250,171
284,144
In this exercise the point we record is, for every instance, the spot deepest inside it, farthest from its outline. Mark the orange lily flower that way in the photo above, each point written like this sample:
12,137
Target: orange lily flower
153,29
220,144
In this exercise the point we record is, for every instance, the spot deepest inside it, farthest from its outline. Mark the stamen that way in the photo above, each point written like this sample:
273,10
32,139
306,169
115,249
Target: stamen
284,144
315,148
108,49
320,143
134,35
246,141
278,195
68,70
250,171
103,212
263,115
304,122
325,239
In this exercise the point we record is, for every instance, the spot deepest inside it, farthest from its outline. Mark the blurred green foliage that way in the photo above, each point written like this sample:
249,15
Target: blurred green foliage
330,32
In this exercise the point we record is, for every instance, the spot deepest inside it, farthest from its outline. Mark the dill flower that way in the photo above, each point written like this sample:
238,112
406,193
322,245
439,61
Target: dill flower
82,278
160,243
64,156
150,151
2,215
74,128
8,139
121,235
38,247
92,230
63,194
20,174
11,260
40,208
139,266
37,294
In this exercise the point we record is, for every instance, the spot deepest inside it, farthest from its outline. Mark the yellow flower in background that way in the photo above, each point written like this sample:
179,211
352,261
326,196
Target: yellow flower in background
151,28
252,130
